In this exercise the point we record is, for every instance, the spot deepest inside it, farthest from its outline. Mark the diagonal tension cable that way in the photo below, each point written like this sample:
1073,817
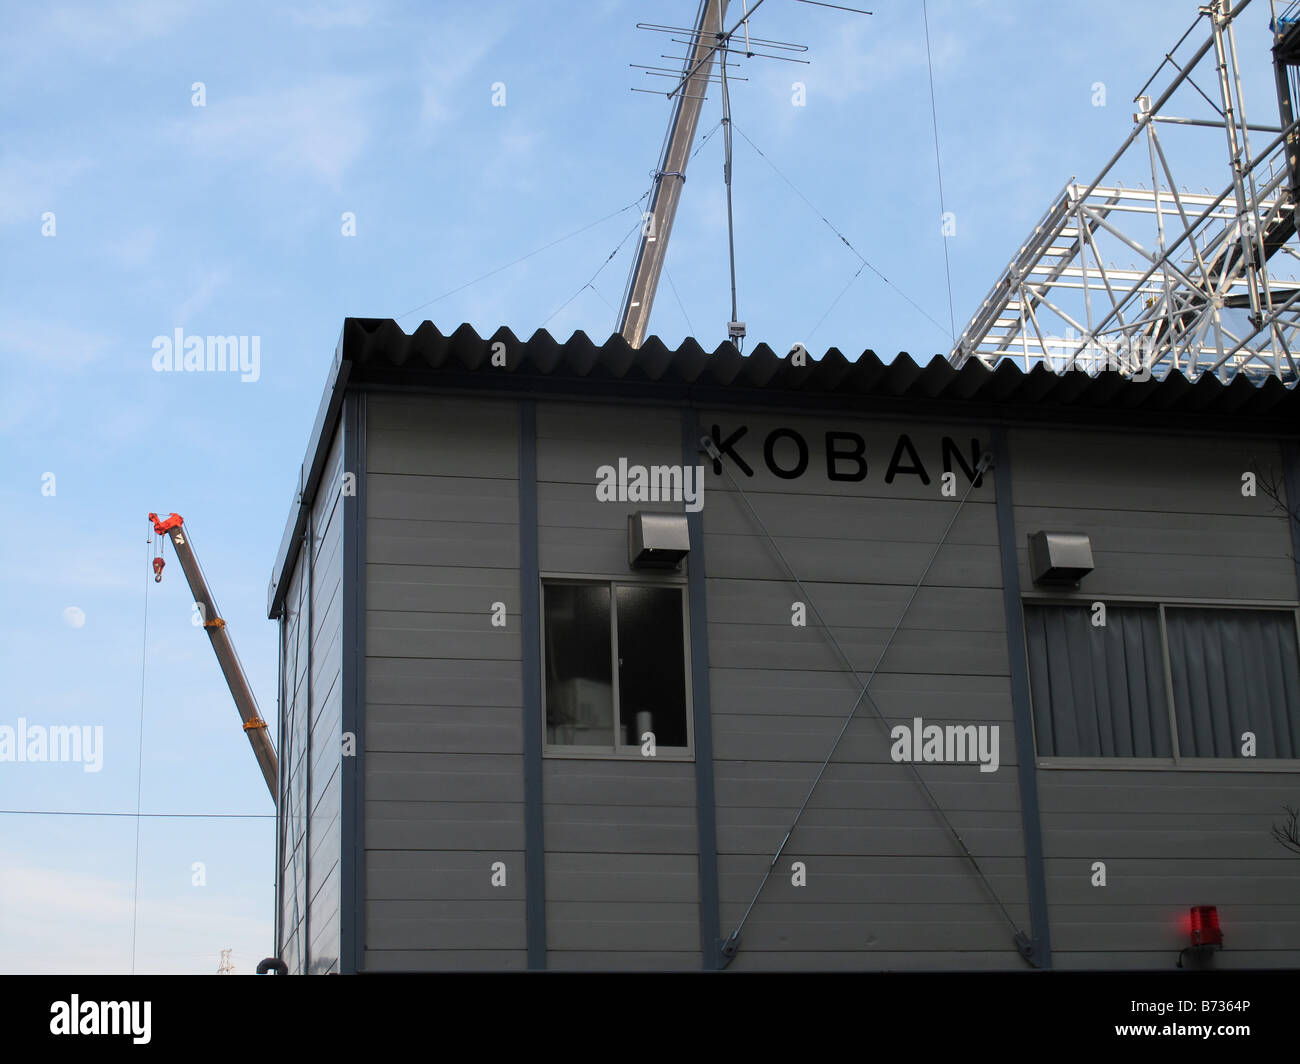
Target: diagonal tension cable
732,942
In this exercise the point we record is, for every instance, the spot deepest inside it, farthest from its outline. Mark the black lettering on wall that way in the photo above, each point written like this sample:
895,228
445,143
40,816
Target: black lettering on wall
769,453
724,447
856,453
916,468
951,451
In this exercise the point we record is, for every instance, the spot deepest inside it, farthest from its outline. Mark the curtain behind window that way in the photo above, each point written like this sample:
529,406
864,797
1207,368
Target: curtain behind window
1234,671
1097,692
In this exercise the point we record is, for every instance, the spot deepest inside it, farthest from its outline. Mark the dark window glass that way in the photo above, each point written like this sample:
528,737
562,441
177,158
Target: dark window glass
578,665
1234,671
651,664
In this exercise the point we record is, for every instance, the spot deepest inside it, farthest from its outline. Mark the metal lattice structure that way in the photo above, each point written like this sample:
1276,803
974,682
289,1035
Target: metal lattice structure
1210,287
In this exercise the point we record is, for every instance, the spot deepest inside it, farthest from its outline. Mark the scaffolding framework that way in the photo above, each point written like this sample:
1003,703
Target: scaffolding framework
1208,287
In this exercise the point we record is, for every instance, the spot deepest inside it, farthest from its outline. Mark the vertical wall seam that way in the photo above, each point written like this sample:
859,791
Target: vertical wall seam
1022,710
531,668
701,710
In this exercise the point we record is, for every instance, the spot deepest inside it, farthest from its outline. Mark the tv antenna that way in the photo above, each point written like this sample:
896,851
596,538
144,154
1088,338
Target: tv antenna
706,40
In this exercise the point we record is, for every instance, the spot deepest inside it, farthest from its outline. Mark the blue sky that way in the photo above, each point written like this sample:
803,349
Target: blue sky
227,219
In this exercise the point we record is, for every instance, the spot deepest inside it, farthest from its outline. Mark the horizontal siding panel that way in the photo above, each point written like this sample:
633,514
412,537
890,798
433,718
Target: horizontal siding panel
455,932
769,602
903,834
439,588
426,435
619,926
750,959
448,543
411,497
1147,835
1102,471
601,422
957,564
440,681
1148,532
391,825
775,928
445,960
443,777
620,829
569,960
740,646
621,877
561,505
441,635
1157,928
584,781
783,785
853,518
915,882
1176,883
1174,791
444,729
821,693
447,875
775,738
1231,576
1112,960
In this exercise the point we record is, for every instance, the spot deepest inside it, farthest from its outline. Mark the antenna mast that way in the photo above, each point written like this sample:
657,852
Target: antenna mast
657,222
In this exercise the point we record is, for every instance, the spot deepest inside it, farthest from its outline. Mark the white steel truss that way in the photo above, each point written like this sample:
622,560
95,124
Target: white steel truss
1208,288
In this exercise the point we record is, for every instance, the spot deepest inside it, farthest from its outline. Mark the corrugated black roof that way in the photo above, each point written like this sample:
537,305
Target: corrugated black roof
380,352
375,352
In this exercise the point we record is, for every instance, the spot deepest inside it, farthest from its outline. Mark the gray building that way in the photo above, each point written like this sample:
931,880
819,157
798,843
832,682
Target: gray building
558,676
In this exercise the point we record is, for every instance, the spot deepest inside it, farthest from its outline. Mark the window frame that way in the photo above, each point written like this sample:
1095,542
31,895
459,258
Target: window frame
1178,762
620,752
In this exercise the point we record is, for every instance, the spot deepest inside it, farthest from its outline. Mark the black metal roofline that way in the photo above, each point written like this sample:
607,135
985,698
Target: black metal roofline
933,392
309,474
1009,413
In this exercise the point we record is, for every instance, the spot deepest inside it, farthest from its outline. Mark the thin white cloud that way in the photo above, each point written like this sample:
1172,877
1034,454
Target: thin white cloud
319,127
50,344
348,15
107,27
62,920
199,299
30,187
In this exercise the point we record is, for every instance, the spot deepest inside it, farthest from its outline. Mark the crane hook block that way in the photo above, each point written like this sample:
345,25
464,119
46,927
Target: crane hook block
158,564
162,526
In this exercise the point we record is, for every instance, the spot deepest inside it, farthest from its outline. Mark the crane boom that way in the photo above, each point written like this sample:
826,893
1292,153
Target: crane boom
254,726
653,245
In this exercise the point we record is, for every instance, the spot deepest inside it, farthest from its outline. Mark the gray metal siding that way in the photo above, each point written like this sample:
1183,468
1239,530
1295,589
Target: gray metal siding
887,886
443,738
1167,519
622,856
310,762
